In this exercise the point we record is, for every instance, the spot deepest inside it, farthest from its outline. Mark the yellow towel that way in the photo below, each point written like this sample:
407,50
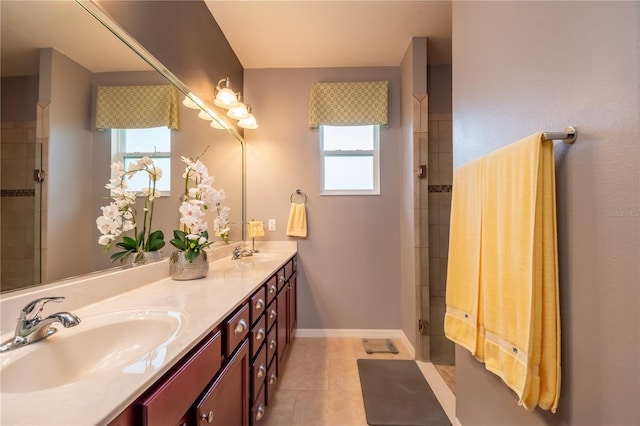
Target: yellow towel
256,229
518,271
503,240
463,270
297,226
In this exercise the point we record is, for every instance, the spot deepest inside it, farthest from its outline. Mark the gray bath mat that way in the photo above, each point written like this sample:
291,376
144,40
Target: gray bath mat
379,346
396,393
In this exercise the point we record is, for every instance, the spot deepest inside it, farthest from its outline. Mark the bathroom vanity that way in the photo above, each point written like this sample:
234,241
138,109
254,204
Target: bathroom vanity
206,351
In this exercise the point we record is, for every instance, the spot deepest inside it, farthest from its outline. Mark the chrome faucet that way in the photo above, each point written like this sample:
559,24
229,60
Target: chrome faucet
31,327
238,252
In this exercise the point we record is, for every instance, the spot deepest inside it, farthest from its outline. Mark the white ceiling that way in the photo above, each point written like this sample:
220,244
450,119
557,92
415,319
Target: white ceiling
329,33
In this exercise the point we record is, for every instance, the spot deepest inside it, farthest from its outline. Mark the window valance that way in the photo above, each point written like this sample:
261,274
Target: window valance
136,107
348,103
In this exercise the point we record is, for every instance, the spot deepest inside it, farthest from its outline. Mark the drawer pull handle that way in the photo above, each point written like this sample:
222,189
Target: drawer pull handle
240,328
208,417
272,289
272,344
281,278
260,335
272,379
262,370
273,314
260,413
259,304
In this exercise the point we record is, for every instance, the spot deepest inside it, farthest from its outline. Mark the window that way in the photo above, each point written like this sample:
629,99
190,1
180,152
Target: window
129,145
350,158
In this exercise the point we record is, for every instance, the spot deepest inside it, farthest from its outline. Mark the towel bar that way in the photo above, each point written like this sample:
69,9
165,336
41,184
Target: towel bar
300,193
569,135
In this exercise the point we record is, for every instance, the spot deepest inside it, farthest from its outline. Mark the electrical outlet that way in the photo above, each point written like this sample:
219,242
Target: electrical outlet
272,225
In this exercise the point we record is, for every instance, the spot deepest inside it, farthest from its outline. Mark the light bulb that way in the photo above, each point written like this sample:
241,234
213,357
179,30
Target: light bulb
238,112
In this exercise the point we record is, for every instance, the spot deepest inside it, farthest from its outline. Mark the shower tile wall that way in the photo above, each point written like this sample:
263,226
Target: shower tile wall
440,177
17,215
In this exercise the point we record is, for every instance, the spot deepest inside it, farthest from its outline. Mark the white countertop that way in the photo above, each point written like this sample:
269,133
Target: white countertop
199,305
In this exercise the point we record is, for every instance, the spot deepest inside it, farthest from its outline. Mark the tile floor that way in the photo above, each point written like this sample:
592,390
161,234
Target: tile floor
320,385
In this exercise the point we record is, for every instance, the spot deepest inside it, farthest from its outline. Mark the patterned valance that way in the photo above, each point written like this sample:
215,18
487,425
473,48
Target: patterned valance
136,107
348,103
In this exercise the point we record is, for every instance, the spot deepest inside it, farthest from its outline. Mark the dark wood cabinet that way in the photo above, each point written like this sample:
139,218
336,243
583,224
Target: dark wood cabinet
292,307
171,399
229,377
225,402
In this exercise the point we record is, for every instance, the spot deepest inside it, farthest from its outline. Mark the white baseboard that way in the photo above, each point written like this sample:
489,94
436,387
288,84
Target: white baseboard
358,333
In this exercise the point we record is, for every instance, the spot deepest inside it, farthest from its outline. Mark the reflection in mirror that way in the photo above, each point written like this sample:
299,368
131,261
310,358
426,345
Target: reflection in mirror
54,161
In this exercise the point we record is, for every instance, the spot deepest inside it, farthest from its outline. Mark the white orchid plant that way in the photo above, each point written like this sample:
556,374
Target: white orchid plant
198,197
119,216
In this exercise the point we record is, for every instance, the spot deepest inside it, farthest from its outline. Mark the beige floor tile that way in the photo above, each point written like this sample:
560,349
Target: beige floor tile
329,408
343,375
329,348
301,373
280,409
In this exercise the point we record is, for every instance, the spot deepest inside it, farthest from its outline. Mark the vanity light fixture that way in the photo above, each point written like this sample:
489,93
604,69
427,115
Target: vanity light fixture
216,125
225,97
212,117
249,122
189,101
239,111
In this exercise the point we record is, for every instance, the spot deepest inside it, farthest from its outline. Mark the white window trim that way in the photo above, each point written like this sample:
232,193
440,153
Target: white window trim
118,153
375,152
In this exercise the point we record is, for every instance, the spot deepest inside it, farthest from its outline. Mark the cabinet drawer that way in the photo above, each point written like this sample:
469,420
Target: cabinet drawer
288,269
270,386
294,262
271,344
272,288
168,403
258,304
237,328
281,279
258,409
272,314
258,373
258,336
225,402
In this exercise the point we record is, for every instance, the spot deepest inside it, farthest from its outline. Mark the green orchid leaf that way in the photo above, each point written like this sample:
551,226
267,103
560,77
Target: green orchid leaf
127,243
120,255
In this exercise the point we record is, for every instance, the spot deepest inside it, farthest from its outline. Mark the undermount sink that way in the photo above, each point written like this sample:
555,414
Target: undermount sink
125,341
255,259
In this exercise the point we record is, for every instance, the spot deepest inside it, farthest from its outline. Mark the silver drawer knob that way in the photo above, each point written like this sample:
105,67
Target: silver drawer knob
260,335
272,344
272,289
208,417
260,413
259,304
273,314
241,327
272,379
262,370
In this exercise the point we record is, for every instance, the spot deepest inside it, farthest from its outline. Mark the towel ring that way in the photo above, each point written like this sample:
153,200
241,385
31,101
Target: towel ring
300,193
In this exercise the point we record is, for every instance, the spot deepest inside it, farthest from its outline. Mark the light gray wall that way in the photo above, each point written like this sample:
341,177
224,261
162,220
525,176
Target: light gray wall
350,261
520,67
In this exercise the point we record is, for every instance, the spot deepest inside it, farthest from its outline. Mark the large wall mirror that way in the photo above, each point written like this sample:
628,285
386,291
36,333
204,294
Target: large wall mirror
55,163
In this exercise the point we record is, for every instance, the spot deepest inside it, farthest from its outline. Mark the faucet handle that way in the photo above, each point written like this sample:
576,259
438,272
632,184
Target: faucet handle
39,304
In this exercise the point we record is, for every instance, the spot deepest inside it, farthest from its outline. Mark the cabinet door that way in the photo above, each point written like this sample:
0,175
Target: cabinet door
226,402
167,403
292,308
281,322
